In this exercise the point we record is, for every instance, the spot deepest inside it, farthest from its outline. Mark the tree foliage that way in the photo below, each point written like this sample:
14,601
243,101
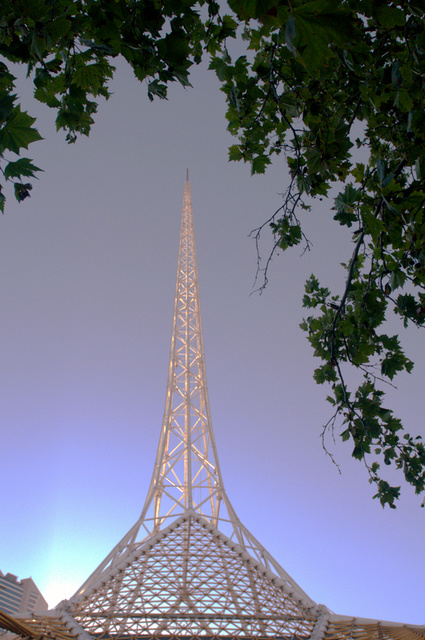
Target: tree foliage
69,46
337,88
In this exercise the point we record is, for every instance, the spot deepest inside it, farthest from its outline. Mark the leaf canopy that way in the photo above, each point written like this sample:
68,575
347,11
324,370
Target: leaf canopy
313,81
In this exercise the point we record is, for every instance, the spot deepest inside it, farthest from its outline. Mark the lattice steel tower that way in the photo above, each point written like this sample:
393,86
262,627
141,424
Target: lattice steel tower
188,568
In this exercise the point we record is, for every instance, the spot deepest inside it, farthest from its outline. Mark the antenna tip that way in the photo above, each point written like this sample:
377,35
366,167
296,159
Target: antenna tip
187,175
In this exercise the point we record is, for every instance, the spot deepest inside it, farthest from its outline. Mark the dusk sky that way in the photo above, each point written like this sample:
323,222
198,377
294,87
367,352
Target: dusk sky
88,267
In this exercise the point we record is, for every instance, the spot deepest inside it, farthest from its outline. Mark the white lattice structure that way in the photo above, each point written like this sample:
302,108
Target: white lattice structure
188,568
191,580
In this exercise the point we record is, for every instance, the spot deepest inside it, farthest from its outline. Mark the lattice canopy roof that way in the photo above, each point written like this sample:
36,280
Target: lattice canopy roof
192,580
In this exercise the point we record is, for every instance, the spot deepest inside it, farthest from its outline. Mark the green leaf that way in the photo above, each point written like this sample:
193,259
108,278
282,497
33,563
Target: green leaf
390,17
345,204
259,163
403,100
235,153
59,28
17,132
221,68
22,191
391,365
397,279
6,105
358,172
345,435
22,167
174,48
156,88
89,77
258,9
319,24
319,375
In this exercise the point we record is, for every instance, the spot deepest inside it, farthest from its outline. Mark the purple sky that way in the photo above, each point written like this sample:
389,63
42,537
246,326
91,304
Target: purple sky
88,270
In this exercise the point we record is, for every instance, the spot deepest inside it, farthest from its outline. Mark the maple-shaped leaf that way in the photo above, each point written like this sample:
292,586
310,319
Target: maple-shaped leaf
22,167
18,132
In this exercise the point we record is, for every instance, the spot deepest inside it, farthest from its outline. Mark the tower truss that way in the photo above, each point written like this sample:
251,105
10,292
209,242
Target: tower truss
186,478
188,568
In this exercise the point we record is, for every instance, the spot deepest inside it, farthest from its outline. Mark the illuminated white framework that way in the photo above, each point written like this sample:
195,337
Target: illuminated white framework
186,474
188,568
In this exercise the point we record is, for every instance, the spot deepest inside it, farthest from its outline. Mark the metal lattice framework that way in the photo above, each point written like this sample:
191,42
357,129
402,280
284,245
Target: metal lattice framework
192,580
188,568
187,476
345,628
329,627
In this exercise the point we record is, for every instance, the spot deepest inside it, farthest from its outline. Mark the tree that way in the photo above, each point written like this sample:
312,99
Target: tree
319,80
68,47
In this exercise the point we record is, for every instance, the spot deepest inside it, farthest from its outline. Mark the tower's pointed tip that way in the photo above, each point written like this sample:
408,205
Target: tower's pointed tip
187,175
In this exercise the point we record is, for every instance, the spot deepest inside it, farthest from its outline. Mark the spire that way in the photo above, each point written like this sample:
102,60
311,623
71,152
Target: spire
189,568
188,534
186,473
